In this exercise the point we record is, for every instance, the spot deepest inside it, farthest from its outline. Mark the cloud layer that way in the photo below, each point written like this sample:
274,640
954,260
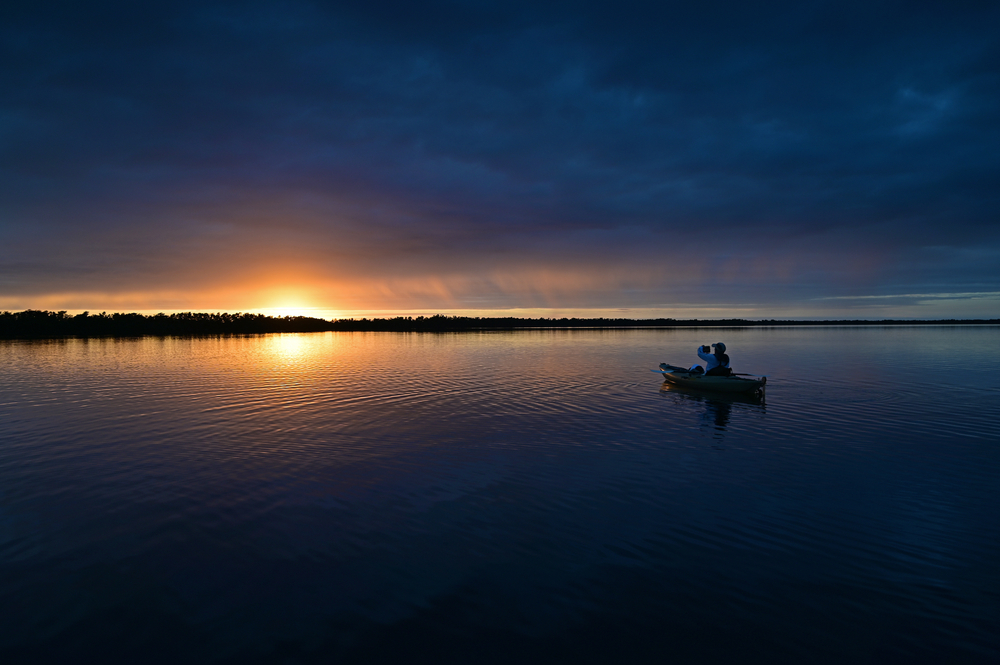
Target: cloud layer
489,155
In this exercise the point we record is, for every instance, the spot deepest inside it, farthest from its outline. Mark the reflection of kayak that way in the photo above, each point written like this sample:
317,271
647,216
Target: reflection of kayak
713,399
680,376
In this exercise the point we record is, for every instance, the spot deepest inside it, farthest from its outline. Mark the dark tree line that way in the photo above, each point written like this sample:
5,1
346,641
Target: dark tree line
441,323
31,324
38,324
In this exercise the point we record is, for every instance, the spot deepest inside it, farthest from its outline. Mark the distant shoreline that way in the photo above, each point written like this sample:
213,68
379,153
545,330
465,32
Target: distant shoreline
40,324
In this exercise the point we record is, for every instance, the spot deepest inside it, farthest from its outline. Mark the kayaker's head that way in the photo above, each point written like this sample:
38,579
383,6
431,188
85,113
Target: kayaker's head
720,348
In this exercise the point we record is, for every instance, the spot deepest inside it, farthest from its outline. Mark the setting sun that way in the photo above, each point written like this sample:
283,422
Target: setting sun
288,301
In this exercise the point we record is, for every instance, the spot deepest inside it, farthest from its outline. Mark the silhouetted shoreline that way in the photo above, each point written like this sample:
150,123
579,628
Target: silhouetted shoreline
39,324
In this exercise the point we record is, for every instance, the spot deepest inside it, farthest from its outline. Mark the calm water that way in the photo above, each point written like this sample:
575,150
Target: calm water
500,497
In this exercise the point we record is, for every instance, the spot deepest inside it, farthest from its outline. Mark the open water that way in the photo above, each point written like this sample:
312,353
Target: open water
501,497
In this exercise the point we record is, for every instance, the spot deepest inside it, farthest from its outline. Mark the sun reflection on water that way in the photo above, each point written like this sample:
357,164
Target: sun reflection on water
288,346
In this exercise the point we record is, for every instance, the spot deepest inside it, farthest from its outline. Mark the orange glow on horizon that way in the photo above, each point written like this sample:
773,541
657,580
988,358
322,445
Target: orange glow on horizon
651,291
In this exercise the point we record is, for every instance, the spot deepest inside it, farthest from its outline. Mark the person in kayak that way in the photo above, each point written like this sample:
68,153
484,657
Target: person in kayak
716,364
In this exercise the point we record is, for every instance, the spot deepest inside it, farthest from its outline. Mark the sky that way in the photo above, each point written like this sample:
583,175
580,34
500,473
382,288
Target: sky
635,159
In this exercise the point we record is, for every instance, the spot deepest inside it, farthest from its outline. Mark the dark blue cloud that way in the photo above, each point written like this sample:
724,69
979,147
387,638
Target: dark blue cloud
776,154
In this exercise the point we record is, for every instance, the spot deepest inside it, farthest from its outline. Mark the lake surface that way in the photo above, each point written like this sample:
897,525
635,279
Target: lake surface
501,497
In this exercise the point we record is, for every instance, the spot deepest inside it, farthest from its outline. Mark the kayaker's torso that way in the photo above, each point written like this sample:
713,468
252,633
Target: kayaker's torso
712,361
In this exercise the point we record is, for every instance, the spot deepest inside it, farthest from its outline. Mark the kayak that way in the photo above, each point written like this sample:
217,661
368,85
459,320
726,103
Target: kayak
681,376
